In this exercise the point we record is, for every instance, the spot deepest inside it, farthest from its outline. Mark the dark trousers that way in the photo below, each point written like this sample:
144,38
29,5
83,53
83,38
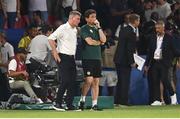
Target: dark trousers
158,72
67,77
5,91
122,87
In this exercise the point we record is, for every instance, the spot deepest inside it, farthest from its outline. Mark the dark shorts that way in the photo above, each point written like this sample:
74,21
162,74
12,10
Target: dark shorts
92,68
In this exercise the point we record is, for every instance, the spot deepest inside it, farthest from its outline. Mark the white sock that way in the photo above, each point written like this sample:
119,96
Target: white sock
94,102
83,98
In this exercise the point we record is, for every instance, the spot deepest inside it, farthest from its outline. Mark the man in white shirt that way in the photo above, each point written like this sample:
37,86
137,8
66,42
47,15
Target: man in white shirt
66,36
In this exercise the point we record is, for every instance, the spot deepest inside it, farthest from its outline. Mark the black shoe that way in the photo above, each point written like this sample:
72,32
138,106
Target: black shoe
58,108
72,108
96,108
81,105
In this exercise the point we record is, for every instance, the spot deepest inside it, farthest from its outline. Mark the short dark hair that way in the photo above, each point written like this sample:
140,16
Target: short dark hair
46,28
38,13
22,50
133,18
89,12
3,35
154,16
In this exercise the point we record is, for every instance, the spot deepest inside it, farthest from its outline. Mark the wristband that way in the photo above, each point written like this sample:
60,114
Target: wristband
99,28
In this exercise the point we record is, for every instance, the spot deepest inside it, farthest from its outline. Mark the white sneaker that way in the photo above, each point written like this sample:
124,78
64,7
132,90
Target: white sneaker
59,108
174,99
156,103
39,101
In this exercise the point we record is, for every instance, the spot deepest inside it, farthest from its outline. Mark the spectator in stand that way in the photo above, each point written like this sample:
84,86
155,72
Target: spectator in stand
37,20
13,12
164,9
118,9
147,30
148,10
3,14
24,13
69,5
40,5
32,31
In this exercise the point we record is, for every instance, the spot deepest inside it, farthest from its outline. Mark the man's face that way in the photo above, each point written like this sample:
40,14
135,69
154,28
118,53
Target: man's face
91,19
159,29
137,22
76,20
2,40
33,32
23,56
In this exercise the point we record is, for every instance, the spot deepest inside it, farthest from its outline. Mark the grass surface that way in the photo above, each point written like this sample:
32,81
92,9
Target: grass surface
132,111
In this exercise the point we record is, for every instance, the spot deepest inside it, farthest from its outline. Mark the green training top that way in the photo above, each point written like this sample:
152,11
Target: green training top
90,51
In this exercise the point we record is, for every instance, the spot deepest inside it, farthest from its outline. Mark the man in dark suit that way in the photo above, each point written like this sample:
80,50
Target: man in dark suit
124,59
159,59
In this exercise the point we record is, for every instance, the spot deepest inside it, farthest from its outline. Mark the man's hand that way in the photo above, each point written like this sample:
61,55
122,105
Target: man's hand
97,24
56,56
134,65
146,69
25,74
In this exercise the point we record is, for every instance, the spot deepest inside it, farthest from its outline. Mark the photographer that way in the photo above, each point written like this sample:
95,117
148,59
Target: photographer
18,76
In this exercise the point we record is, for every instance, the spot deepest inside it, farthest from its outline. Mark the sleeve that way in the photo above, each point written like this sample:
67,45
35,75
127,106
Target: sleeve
56,34
48,45
84,34
167,11
12,65
11,51
21,43
131,47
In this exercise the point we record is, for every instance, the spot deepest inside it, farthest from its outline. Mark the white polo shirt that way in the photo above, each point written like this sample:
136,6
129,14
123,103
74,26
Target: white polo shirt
66,39
7,51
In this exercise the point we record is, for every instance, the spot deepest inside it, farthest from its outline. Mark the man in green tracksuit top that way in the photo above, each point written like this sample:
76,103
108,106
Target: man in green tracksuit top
92,36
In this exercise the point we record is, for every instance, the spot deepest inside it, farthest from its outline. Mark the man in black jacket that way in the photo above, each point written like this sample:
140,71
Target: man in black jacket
124,59
159,59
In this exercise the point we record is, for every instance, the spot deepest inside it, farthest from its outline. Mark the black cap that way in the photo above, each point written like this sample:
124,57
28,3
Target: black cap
22,50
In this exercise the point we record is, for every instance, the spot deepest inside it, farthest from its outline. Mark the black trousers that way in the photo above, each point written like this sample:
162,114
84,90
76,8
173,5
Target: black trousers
67,77
122,87
5,91
158,72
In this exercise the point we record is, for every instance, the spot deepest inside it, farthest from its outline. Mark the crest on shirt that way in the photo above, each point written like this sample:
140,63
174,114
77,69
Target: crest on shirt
91,30
88,72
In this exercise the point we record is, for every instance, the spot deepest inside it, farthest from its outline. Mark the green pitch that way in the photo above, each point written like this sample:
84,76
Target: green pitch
132,111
